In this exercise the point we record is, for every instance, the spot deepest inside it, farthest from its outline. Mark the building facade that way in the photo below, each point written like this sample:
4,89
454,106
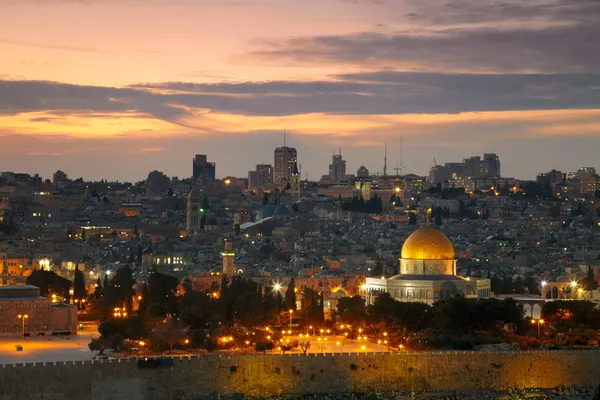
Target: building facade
261,177
285,157
203,171
24,312
337,168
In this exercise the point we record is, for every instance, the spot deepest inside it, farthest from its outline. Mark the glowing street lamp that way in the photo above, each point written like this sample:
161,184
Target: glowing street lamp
291,313
539,323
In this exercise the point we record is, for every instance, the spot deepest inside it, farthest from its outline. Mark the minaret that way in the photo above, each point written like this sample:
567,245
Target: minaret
228,259
295,191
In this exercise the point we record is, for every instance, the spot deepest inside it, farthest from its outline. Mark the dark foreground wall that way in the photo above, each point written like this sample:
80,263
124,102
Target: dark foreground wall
275,374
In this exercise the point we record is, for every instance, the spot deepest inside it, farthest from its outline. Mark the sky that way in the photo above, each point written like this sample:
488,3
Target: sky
113,89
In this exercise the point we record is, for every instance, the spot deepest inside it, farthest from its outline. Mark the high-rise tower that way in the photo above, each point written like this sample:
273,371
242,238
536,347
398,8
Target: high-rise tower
285,157
337,168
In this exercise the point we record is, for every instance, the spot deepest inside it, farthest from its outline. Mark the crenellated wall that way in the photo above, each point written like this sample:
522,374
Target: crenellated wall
190,378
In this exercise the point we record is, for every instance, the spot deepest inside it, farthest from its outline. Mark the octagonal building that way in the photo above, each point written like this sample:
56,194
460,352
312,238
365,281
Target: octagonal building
427,272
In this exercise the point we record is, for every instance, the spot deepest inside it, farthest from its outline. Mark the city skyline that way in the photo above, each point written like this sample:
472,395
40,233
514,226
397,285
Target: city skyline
165,80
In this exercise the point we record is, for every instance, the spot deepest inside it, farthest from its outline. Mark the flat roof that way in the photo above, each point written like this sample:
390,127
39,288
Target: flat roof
18,287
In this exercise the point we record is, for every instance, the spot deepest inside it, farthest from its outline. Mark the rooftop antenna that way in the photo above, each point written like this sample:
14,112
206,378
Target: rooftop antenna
284,137
399,168
385,161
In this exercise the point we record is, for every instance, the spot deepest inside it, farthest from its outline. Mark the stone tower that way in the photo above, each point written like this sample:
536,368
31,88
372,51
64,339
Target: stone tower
228,259
295,191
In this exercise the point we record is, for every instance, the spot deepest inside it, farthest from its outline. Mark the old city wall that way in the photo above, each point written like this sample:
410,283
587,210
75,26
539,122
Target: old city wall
195,377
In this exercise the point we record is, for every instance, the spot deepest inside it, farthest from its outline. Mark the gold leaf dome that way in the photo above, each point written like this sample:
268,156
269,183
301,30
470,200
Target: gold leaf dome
428,243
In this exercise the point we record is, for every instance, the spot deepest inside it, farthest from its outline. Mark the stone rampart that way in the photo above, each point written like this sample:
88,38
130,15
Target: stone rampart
262,375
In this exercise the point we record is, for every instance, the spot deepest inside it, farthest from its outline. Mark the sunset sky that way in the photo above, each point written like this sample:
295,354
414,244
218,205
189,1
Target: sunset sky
116,88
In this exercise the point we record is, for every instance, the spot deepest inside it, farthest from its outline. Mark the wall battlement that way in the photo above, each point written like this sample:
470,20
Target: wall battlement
264,375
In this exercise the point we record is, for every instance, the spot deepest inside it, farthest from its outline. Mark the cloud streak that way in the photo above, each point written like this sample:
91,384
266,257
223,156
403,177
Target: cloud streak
52,46
373,93
460,36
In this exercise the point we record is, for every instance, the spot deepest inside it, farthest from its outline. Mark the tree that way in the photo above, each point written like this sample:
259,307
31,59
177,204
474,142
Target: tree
312,311
202,222
290,296
136,230
438,217
412,218
79,291
351,309
122,288
205,204
265,199
49,283
161,294
98,291
589,283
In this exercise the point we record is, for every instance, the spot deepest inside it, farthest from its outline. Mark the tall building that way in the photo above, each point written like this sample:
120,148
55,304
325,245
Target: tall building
261,177
337,168
491,165
203,171
585,172
285,157
471,168
157,183
551,178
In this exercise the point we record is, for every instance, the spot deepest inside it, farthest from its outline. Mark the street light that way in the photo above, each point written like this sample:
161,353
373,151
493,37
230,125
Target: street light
23,317
120,312
291,312
544,283
539,323
573,286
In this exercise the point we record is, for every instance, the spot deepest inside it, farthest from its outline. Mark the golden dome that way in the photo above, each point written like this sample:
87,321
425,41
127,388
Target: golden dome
428,243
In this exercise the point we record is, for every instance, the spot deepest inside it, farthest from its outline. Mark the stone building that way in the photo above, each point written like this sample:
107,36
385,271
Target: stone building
24,311
427,272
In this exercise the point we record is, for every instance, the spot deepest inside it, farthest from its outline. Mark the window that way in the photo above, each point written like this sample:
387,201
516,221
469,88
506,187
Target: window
17,328
25,328
45,327
37,328
5,329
